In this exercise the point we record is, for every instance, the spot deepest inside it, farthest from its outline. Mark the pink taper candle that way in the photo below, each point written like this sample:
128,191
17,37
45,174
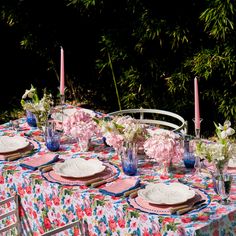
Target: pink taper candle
62,74
196,104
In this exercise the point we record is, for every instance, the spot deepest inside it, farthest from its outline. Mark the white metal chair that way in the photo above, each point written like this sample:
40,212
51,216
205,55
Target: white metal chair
78,223
164,119
15,211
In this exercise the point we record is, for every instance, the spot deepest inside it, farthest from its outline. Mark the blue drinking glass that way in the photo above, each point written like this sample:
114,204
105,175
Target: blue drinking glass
31,119
53,142
129,159
52,137
189,160
189,157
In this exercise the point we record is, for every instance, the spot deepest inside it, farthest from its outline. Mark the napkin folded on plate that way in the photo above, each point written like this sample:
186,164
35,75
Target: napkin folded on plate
35,162
120,186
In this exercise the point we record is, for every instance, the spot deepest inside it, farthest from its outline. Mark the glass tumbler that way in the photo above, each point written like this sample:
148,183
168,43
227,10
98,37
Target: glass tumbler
52,138
31,119
129,160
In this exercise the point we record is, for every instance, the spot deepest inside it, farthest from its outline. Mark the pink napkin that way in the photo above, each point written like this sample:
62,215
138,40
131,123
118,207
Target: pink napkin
39,160
120,186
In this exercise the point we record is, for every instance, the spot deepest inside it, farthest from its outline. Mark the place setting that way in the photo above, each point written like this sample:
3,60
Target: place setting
14,147
80,171
169,199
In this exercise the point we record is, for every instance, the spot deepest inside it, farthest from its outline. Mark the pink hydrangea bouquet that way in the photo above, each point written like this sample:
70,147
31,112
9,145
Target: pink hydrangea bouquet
81,126
163,146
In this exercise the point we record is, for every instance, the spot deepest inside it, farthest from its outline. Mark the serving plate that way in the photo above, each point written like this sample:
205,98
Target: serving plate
69,112
166,194
79,168
12,144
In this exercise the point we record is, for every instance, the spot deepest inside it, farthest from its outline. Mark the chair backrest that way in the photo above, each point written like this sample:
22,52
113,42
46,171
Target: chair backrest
83,230
15,211
164,119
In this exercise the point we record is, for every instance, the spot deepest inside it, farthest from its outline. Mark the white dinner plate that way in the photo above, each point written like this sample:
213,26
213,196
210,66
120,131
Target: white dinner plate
69,112
166,194
79,168
12,144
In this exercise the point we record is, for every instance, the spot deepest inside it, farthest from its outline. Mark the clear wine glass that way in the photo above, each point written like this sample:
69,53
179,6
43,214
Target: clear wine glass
222,186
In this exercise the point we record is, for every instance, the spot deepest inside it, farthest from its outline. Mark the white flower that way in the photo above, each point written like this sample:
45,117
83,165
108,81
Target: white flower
226,129
29,93
122,128
221,151
40,108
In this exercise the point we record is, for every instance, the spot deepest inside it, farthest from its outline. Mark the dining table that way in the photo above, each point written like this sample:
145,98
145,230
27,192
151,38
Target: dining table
48,201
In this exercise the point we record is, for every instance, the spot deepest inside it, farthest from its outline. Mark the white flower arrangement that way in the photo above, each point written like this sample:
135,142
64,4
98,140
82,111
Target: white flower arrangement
220,151
40,107
121,129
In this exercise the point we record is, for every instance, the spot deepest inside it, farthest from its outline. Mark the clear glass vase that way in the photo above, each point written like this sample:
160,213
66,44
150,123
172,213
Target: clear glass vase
222,185
41,121
84,143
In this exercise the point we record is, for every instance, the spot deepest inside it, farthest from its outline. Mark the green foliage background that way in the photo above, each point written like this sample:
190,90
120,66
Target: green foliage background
123,54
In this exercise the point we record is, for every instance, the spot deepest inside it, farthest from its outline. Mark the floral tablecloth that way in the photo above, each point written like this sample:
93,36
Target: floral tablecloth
45,205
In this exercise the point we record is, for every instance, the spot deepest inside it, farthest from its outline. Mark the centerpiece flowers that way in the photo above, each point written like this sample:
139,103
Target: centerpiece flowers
81,126
126,135
39,107
122,129
163,146
221,150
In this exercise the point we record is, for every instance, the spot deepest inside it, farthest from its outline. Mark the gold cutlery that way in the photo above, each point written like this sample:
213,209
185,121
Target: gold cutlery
17,155
134,194
99,183
131,192
46,168
95,180
14,157
198,200
190,208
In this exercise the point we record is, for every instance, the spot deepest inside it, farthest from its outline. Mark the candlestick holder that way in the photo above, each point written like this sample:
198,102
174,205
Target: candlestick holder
61,107
197,130
62,100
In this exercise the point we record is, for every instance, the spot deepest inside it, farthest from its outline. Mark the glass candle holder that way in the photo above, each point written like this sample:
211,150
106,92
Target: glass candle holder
197,130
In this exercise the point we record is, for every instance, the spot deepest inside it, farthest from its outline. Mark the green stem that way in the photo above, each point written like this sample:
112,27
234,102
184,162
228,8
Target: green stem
114,80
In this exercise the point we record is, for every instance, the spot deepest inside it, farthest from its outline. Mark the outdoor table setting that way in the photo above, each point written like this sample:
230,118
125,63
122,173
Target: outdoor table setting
137,187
